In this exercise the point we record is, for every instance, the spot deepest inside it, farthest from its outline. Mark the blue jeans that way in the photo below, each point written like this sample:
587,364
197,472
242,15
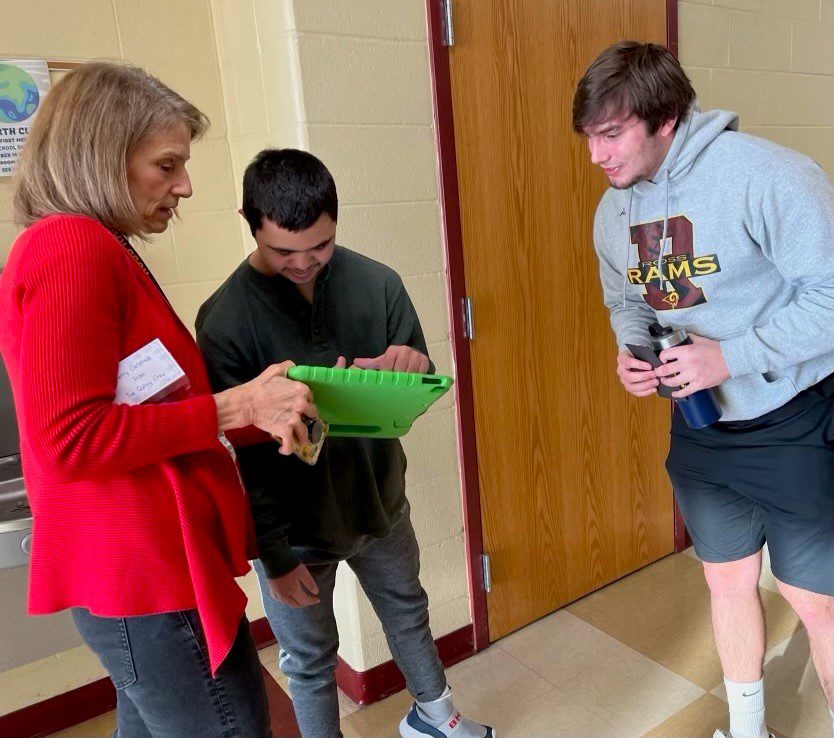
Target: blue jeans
389,571
159,666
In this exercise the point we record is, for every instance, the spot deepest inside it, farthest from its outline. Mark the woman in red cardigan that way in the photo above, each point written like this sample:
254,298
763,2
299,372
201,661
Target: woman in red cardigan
140,521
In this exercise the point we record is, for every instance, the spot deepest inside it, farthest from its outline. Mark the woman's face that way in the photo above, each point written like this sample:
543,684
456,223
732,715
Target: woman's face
156,175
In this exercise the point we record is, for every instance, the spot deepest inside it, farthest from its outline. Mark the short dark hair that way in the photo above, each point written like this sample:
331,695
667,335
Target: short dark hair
631,78
289,187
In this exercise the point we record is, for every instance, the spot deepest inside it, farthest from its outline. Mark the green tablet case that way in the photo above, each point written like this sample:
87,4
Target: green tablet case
369,403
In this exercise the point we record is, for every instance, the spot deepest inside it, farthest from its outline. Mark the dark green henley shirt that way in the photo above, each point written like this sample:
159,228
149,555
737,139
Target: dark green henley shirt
356,491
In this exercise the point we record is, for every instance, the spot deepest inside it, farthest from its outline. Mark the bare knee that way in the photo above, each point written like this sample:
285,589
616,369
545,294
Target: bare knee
814,609
734,577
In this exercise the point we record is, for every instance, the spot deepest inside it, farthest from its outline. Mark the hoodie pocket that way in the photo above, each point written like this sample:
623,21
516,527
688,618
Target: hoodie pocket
774,379
775,389
752,395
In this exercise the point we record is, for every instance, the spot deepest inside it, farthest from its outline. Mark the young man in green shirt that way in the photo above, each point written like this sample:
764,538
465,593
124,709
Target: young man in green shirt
302,298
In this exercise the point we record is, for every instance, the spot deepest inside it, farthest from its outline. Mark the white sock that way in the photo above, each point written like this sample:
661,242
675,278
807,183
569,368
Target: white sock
441,714
440,711
747,710
831,712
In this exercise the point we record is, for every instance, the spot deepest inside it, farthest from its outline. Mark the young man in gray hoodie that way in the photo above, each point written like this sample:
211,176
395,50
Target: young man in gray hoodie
729,237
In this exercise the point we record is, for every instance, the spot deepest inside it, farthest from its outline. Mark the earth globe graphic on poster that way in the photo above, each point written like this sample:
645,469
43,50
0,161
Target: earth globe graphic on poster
19,96
23,85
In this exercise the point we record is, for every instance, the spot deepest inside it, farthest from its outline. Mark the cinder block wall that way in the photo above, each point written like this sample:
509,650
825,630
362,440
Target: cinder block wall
769,60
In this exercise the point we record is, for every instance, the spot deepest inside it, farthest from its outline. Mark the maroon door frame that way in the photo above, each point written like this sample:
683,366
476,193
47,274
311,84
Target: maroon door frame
456,291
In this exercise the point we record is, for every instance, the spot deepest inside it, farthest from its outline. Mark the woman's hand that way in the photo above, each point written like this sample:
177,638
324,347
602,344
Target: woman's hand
272,403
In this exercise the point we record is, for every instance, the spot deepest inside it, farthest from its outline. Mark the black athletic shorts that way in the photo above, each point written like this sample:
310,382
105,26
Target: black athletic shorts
770,479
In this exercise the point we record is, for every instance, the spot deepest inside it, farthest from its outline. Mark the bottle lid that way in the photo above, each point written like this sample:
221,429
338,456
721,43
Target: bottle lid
665,336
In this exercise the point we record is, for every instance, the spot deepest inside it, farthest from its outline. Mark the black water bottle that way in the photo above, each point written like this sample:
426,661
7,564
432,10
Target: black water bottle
701,408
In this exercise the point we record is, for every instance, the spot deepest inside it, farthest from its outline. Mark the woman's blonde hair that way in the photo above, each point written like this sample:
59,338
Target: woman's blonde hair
75,158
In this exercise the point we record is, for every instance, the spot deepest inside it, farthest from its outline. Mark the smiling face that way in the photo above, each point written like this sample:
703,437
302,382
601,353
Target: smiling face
626,151
299,256
157,178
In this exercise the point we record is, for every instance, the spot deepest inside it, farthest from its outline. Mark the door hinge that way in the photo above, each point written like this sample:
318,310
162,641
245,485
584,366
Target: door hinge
487,572
448,23
468,319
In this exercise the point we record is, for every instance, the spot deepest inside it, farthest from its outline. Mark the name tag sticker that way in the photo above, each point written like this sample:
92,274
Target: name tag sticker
148,375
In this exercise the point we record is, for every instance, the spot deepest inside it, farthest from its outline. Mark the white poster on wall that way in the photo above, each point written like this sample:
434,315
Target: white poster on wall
23,86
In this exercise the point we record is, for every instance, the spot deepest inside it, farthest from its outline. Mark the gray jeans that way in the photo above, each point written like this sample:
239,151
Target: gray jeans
164,687
389,571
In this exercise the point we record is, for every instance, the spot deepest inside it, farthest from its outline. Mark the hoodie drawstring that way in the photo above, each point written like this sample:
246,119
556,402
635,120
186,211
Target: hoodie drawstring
628,242
662,246
660,279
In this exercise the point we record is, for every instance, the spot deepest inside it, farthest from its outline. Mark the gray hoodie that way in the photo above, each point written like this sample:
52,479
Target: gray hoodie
747,259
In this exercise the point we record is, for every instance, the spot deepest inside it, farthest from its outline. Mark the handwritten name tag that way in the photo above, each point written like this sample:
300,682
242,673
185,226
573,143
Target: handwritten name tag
149,374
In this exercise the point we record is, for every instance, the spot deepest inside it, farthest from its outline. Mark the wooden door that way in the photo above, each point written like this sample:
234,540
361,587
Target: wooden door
573,488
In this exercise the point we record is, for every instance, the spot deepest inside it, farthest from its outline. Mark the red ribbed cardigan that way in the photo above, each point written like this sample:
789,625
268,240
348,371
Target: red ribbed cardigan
137,509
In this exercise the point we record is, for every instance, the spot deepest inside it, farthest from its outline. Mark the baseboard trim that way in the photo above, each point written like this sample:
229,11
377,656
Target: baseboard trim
261,633
366,687
60,712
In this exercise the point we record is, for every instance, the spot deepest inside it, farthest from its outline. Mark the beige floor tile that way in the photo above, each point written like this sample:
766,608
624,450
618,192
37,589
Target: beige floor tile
697,720
795,702
599,674
662,611
497,689
379,719
99,727
269,659
494,688
346,705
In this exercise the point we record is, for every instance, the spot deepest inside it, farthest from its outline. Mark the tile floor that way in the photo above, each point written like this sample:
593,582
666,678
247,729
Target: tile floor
635,658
